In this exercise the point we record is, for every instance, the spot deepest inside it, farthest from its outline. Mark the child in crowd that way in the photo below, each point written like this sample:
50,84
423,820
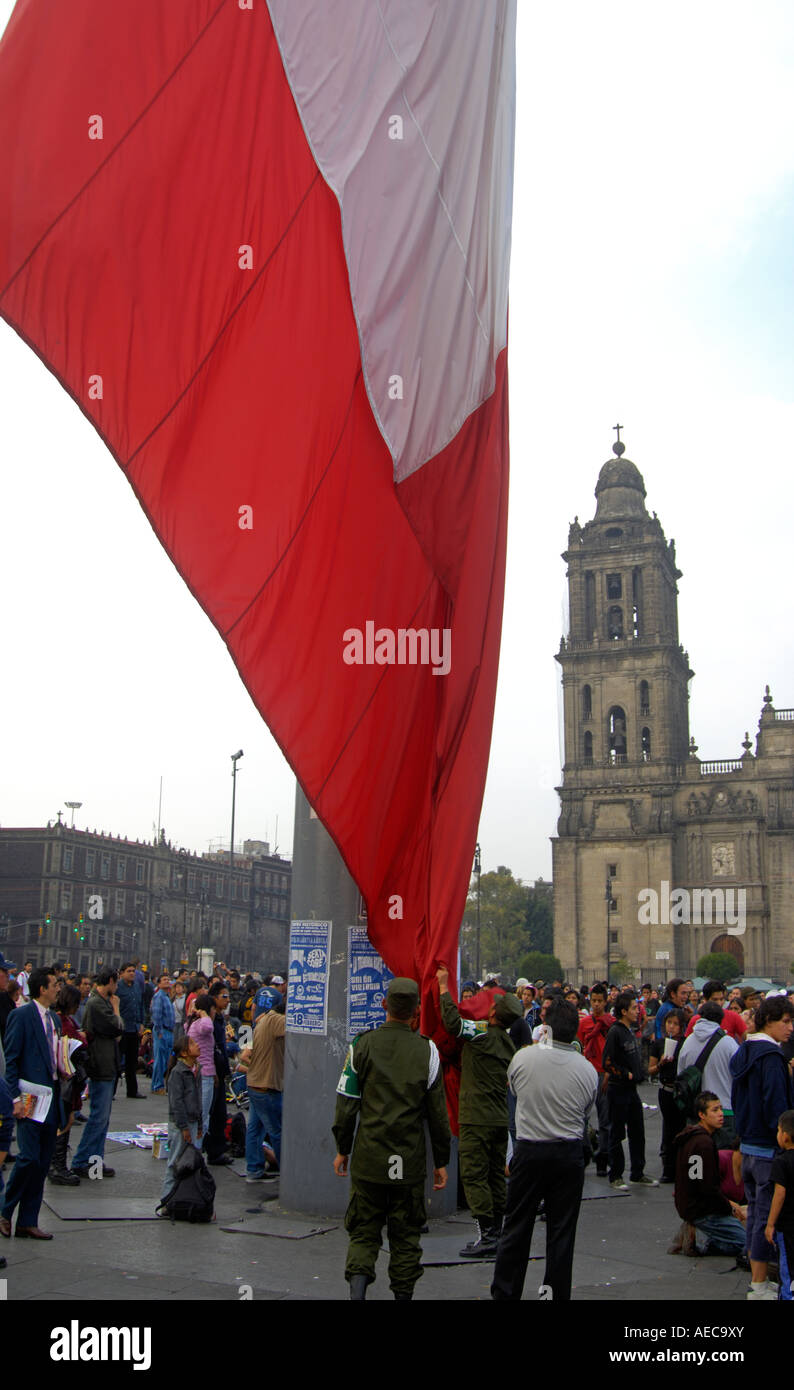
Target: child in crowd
184,1107
780,1226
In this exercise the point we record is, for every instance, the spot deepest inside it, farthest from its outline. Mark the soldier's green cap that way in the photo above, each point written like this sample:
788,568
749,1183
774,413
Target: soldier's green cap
508,1009
402,990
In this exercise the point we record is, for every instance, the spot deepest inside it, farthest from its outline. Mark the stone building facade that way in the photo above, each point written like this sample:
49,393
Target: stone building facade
94,899
667,856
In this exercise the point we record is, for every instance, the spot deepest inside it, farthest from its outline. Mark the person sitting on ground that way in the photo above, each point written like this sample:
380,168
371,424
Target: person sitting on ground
698,1199
779,1229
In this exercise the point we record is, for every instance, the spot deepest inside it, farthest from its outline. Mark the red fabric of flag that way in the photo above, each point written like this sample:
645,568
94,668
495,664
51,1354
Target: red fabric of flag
172,250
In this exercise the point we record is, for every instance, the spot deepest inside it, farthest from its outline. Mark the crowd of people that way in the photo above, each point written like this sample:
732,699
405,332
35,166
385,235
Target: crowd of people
72,1039
548,1080
538,1080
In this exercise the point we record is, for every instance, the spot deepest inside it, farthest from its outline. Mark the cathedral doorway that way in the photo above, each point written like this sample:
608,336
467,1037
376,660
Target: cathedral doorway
734,948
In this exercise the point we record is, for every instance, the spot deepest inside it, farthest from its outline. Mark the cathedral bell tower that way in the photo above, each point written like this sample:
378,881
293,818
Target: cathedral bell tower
625,693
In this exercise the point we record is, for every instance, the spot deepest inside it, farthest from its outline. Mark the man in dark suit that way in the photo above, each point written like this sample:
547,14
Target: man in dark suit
31,1052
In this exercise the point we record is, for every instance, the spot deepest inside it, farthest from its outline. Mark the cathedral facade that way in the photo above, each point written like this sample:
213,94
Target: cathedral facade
659,857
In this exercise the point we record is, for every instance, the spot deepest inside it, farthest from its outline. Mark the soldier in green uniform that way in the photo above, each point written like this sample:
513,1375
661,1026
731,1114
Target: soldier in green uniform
482,1147
392,1081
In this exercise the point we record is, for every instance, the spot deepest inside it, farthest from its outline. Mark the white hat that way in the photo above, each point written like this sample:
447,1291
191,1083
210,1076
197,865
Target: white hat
522,983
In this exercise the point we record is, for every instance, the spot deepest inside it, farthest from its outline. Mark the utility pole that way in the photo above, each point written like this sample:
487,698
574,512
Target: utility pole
608,896
478,870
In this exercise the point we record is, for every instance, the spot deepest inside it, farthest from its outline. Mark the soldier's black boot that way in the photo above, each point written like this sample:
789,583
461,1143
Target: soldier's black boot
358,1287
403,1297
59,1168
485,1247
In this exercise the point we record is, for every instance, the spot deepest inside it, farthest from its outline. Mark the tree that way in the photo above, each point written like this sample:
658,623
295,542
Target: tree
540,916
718,965
503,926
620,971
540,965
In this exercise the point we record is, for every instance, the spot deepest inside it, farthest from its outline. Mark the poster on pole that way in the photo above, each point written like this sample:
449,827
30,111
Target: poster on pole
307,995
367,981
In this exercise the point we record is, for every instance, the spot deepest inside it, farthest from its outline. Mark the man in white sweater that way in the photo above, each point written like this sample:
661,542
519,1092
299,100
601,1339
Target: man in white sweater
717,1076
555,1089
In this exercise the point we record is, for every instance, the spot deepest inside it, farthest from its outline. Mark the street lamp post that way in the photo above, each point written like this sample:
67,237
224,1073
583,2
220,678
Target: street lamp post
477,870
235,759
608,896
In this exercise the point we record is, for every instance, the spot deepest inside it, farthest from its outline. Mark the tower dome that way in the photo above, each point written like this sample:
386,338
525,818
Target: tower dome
620,491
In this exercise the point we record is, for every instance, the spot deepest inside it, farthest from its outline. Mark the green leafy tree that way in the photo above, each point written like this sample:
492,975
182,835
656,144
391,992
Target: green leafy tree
540,916
540,965
504,938
621,972
718,965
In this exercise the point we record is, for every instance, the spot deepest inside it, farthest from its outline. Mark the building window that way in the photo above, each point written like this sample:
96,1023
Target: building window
645,698
613,936
83,966
614,535
588,748
66,897
636,600
191,881
101,938
67,859
105,866
235,888
612,870
219,885
616,734
589,604
121,868
267,880
614,904
120,896
615,622
118,940
646,745
614,586
283,883
216,924
266,906
587,702
90,858
140,870
246,891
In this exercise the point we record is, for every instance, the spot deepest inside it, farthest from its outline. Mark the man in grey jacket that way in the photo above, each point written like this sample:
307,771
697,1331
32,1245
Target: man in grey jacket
103,1027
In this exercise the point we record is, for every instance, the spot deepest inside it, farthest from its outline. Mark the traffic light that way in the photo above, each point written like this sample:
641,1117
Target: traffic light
48,920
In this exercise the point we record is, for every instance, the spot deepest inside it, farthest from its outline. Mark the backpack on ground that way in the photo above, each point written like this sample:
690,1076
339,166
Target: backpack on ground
235,1133
193,1196
689,1083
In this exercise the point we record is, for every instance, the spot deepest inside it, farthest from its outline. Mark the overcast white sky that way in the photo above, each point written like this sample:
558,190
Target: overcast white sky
651,284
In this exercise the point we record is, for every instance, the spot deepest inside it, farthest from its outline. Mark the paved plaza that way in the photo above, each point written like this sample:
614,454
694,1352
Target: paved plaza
621,1243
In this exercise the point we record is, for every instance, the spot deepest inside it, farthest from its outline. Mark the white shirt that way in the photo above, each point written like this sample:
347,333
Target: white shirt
47,1024
22,981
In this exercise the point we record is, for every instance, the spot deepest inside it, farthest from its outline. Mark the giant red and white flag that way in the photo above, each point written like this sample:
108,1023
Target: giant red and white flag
265,247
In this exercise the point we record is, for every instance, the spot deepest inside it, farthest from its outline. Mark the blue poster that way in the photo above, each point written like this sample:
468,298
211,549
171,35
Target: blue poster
307,994
367,982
